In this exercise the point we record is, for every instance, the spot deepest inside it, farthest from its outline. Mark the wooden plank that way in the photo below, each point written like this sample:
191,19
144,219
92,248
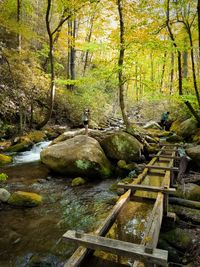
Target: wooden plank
118,247
165,156
147,188
162,168
82,252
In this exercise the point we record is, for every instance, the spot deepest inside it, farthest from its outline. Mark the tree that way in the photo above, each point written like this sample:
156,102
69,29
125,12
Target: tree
121,63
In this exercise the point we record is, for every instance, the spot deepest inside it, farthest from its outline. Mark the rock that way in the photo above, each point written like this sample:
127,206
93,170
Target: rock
37,136
81,155
122,165
194,154
25,199
173,254
78,181
122,146
187,214
158,133
4,195
186,128
39,260
178,238
191,192
4,159
152,125
196,137
20,147
174,139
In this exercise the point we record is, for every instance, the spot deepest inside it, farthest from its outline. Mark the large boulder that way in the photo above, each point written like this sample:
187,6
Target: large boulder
186,128
81,156
122,146
194,154
25,199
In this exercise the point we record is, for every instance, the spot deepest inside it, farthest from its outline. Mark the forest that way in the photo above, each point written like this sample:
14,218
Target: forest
99,132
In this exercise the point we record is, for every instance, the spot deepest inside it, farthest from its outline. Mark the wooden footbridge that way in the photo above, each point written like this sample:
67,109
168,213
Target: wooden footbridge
154,184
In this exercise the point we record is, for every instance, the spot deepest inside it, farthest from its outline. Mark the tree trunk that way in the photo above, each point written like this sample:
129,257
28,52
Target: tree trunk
185,202
52,70
175,45
193,112
71,51
163,71
185,64
171,74
198,12
19,37
88,39
193,65
121,63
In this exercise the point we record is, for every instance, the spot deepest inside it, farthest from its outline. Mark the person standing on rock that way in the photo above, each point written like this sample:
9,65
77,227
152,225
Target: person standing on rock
85,119
164,119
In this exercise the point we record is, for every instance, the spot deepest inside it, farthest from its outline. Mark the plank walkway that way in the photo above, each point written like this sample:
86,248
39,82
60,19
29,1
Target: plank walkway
160,168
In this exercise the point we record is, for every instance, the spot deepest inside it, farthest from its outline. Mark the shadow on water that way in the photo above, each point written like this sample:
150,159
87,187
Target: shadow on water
31,236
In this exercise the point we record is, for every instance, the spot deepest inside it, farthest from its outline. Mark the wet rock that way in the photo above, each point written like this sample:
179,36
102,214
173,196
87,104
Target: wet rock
186,214
174,139
25,199
174,255
191,192
20,147
4,195
81,155
194,154
4,159
43,261
122,146
178,238
78,181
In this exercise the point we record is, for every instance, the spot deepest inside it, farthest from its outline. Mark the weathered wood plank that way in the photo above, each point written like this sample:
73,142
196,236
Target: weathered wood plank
165,156
82,252
162,168
118,247
147,188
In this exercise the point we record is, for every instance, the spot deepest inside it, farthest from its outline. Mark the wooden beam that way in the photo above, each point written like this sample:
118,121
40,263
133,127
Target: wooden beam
82,252
118,247
165,156
162,168
147,188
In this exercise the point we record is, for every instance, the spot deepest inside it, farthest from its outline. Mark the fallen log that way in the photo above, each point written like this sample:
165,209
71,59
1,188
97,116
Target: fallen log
185,202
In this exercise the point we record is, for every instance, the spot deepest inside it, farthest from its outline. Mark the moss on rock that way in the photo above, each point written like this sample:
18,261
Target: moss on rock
4,159
25,199
78,181
178,238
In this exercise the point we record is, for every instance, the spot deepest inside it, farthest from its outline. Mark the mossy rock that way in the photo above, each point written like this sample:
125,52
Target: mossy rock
25,199
186,128
37,136
77,156
121,164
4,159
173,254
196,137
187,214
194,153
178,238
122,146
158,133
174,139
191,192
20,147
78,181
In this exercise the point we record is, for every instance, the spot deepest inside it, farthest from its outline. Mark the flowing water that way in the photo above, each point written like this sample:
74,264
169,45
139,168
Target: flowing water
31,237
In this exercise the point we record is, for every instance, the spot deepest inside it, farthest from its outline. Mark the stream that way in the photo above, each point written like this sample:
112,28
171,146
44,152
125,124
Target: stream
32,237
